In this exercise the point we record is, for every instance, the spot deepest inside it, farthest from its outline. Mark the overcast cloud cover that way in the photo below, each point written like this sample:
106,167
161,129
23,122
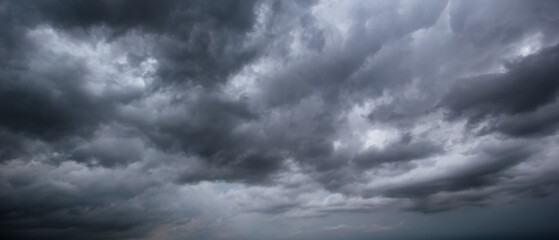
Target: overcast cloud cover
139,119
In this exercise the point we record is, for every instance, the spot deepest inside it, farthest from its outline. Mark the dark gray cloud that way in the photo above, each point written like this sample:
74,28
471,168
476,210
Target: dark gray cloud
205,120
51,103
540,122
482,170
515,97
527,85
37,206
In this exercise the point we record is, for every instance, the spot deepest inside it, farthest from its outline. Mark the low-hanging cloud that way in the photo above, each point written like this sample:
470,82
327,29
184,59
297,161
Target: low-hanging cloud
196,119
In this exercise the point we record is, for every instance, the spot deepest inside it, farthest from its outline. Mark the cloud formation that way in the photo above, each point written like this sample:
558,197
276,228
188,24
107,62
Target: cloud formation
241,119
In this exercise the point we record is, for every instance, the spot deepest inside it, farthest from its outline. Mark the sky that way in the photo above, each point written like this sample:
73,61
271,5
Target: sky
286,119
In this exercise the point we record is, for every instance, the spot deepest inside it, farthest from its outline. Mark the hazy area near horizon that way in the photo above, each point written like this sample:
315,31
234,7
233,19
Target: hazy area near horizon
285,119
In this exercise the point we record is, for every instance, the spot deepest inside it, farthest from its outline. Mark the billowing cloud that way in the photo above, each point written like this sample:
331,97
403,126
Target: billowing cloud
276,119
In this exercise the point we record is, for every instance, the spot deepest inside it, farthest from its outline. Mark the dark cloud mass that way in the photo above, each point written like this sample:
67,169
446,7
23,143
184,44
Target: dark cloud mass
278,119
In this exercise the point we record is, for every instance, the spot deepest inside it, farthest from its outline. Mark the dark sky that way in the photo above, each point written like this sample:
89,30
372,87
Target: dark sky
250,120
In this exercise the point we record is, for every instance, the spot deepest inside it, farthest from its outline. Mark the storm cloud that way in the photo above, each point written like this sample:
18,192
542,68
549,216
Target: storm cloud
278,119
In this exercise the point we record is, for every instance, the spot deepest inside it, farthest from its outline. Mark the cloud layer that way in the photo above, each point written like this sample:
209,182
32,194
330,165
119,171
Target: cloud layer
197,119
